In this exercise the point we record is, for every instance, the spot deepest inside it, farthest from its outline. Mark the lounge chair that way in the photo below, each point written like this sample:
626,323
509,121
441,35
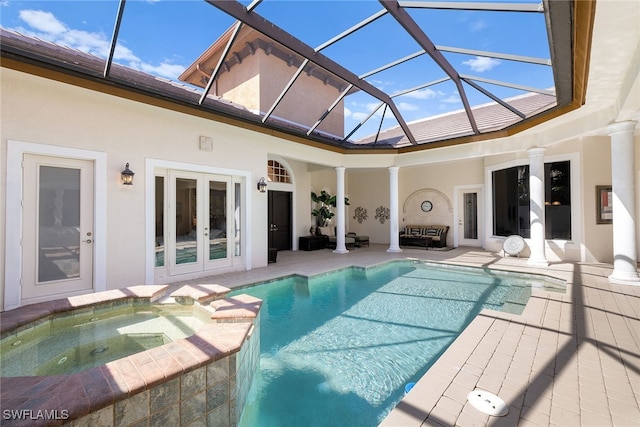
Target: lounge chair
361,240
349,241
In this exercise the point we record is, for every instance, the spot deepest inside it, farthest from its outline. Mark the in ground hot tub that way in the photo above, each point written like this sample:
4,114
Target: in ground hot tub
169,356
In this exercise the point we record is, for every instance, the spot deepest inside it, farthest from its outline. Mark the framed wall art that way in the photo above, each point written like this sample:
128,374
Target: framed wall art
604,198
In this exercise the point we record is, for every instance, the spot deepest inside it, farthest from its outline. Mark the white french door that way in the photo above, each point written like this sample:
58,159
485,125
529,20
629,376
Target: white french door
57,230
201,222
468,212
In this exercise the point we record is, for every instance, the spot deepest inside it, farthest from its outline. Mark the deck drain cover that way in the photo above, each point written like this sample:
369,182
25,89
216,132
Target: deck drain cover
488,403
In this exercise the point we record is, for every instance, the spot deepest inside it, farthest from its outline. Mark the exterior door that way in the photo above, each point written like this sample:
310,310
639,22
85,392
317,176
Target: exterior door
58,215
469,225
199,210
279,218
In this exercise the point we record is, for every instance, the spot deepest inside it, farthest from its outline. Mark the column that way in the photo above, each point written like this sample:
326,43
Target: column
394,237
536,201
625,256
340,224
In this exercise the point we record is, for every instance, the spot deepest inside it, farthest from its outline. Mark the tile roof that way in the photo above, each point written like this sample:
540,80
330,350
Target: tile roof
489,117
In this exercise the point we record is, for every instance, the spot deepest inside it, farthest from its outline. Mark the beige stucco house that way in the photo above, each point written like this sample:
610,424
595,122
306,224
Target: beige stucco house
68,134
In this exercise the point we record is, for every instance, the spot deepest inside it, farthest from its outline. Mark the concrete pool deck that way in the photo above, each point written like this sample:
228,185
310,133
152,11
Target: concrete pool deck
570,359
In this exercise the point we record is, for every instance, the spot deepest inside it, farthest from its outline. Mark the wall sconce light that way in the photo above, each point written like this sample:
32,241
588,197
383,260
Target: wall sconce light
262,185
127,175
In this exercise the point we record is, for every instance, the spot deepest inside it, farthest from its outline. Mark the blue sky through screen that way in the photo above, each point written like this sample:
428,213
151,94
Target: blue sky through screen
162,38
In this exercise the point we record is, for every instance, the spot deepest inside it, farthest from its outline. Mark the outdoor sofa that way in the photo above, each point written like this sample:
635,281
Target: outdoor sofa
434,236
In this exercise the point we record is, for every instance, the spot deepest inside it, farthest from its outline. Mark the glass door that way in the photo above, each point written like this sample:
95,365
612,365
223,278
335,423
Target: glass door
57,226
219,224
469,225
199,207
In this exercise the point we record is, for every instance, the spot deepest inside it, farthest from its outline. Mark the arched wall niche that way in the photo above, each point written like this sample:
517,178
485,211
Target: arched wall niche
441,214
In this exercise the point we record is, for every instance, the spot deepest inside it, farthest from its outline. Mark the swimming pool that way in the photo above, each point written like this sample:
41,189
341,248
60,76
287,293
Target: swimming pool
338,349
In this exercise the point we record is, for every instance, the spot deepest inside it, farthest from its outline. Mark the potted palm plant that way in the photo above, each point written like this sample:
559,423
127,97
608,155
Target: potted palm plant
324,211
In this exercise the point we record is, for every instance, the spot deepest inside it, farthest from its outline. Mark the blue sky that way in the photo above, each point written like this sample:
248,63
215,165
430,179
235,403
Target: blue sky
164,37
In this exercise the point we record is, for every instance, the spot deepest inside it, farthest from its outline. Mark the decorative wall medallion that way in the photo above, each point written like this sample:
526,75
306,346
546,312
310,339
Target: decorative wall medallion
426,206
360,214
382,214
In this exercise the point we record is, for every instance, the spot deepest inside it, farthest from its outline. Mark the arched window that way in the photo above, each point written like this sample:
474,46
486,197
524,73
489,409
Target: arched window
277,172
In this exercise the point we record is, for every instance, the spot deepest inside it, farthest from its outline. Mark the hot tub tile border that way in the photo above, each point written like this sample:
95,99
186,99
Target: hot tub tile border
101,390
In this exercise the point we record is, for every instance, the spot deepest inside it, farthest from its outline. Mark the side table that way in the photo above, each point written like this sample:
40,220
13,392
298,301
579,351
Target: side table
312,243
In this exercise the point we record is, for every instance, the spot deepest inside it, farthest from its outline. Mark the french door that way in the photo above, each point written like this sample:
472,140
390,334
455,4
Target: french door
201,222
57,230
469,224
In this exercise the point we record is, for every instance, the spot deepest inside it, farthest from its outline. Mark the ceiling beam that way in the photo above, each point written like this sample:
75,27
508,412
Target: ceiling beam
223,57
414,30
560,27
351,30
496,55
257,22
114,39
490,7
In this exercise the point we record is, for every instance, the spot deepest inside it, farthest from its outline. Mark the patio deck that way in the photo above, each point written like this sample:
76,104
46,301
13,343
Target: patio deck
568,360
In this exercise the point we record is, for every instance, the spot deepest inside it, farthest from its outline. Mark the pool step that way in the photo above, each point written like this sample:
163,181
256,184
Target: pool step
203,293
239,308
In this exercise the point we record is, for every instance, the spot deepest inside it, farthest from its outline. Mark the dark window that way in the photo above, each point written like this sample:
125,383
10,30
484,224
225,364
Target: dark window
557,200
511,201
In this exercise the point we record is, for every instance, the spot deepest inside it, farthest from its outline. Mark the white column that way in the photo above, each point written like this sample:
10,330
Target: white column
536,200
340,225
625,256
394,237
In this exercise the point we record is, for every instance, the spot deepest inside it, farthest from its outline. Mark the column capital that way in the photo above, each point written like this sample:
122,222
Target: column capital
536,151
617,127
340,168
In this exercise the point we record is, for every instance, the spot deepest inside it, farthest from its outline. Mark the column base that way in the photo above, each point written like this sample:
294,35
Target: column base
394,250
340,251
538,262
625,278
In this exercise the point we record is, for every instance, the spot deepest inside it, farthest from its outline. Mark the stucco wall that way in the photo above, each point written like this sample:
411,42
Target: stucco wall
369,190
46,112
306,100
598,237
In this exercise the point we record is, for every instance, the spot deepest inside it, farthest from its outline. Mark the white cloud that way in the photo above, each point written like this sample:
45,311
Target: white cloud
381,84
407,106
478,25
359,116
422,94
42,21
482,63
164,69
360,111
453,99
46,26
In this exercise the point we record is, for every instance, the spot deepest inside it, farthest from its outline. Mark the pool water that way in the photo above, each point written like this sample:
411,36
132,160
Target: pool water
77,341
338,349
